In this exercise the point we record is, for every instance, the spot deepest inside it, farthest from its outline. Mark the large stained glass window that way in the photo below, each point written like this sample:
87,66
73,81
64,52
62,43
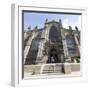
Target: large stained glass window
53,34
70,43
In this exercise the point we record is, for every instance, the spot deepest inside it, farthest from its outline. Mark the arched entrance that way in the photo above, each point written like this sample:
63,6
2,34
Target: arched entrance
53,56
55,47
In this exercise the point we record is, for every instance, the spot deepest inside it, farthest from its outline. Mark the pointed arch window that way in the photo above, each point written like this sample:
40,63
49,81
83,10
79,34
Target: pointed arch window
70,44
53,34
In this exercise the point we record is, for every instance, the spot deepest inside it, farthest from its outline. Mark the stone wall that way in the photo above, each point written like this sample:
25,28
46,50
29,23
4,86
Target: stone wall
43,69
71,67
59,68
75,66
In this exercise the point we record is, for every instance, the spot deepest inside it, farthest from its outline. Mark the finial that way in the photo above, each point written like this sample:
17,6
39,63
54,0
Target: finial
29,28
70,28
46,20
76,28
60,22
36,27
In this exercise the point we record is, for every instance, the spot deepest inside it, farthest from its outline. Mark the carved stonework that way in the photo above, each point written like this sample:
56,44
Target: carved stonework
51,44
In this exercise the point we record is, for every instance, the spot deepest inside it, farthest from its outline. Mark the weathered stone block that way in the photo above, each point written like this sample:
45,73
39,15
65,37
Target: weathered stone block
67,68
75,67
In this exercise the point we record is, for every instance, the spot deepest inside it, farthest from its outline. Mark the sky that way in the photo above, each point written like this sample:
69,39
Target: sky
33,19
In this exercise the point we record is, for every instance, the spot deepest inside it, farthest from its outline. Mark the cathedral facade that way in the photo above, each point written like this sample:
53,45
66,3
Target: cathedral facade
51,44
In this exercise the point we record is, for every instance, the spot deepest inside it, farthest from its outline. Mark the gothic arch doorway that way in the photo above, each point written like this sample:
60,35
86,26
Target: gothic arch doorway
53,56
